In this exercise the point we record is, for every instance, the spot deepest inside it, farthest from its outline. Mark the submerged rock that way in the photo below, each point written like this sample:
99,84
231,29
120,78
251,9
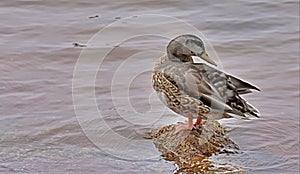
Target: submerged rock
190,149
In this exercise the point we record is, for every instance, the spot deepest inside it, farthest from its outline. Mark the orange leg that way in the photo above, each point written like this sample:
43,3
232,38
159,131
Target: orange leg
199,121
185,126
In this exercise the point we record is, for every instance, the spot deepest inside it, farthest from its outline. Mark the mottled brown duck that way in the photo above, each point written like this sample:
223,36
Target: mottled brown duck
198,90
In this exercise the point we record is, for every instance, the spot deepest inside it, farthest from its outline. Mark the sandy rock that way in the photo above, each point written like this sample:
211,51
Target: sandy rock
190,149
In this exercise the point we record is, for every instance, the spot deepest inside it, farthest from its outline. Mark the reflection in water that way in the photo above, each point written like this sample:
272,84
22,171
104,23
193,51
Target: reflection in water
39,133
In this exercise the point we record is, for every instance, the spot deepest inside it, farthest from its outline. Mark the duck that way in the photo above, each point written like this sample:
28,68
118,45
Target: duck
198,90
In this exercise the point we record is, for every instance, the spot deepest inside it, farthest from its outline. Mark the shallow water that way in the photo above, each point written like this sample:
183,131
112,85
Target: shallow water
257,41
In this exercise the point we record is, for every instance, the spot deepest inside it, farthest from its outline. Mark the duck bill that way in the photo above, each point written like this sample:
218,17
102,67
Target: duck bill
205,57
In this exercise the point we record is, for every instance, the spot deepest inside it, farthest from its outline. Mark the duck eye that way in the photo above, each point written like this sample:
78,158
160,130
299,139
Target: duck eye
192,53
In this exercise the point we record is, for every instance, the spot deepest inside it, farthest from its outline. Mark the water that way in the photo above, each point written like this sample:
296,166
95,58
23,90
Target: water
39,130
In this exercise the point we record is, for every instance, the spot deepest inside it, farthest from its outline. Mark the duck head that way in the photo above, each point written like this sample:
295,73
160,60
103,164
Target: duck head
183,47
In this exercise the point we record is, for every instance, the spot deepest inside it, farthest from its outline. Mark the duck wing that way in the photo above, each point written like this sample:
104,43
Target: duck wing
213,87
241,86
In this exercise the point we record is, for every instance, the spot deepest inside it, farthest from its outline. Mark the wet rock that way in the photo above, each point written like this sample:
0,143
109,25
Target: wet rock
190,149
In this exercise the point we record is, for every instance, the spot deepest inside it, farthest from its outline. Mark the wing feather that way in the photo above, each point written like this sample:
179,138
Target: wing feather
213,87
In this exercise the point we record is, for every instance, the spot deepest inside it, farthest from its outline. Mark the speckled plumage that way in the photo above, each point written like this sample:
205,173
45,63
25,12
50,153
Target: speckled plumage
198,89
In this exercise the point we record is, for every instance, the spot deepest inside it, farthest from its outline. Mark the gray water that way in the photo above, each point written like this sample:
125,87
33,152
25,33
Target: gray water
257,41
